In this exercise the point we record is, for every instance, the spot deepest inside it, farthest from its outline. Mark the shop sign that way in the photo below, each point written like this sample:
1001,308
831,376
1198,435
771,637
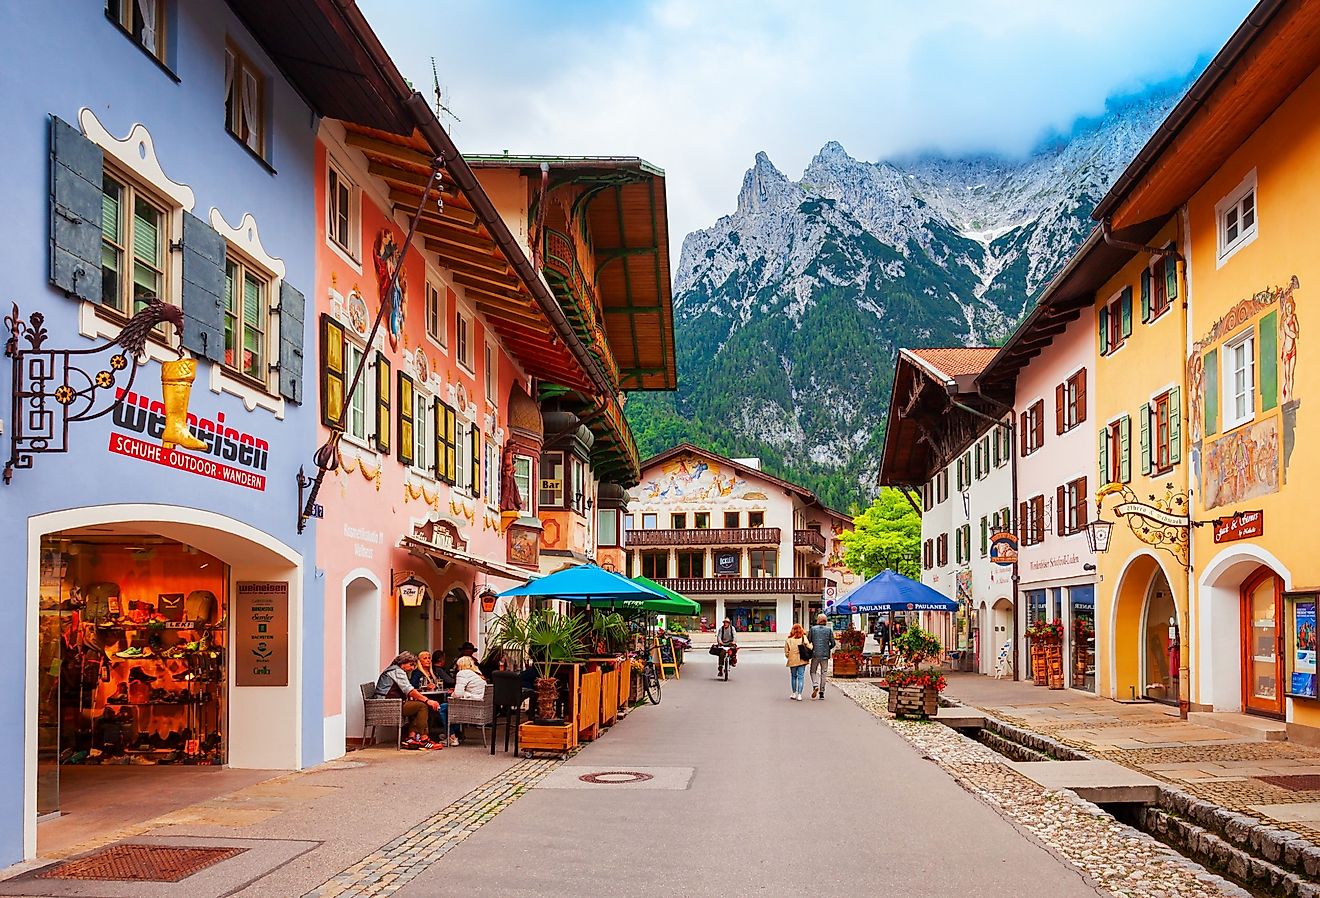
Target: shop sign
1242,525
963,585
139,424
550,485
1004,548
726,564
441,534
1302,682
261,633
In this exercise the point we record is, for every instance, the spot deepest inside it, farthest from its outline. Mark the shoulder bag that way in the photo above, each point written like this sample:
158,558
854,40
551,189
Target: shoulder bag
805,651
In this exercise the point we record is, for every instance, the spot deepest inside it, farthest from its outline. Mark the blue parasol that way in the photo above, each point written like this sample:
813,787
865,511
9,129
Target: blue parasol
891,591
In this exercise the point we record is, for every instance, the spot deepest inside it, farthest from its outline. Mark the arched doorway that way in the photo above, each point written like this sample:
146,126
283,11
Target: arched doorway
454,622
1262,645
1159,642
1001,636
361,647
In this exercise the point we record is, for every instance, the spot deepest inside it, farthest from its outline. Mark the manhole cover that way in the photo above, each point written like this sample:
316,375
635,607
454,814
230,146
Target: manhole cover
615,777
141,863
1302,782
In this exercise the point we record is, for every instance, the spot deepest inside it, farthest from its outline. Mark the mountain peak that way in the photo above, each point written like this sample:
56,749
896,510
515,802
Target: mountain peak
763,187
832,152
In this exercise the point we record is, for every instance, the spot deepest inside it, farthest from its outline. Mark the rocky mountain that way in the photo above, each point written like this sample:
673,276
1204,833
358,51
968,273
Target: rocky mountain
789,312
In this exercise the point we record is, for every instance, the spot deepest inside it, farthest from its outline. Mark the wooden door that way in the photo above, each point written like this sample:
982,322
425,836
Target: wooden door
1262,644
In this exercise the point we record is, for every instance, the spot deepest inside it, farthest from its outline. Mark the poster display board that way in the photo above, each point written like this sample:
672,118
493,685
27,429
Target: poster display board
261,633
1303,681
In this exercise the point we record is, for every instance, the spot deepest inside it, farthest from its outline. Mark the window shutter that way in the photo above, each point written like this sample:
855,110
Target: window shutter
476,462
1125,449
1145,294
1082,517
1081,396
1022,435
1061,511
203,298
1039,502
1171,274
1175,425
292,308
1102,327
1022,523
1039,423
985,536
451,445
1125,302
997,447
1143,421
1103,455
332,371
1210,377
439,419
383,383
1060,400
75,212
1268,352
407,442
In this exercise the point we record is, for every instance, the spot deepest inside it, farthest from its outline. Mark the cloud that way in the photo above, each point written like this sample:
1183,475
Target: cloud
698,87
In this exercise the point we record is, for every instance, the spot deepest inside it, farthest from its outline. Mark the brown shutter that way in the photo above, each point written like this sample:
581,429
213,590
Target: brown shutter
1022,523
1039,502
1081,396
1040,423
1082,519
1061,511
1022,434
1060,404
384,381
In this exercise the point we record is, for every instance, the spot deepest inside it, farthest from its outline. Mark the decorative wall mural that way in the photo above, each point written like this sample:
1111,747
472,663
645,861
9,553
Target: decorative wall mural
1243,464
689,478
358,316
387,254
1288,333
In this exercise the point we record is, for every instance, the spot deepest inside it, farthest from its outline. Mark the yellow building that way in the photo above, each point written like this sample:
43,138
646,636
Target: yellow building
1215,388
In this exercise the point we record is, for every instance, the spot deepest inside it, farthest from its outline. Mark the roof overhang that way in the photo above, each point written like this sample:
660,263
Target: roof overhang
1271,53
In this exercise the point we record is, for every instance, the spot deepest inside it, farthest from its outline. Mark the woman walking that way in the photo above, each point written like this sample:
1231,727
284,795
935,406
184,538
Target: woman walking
797,664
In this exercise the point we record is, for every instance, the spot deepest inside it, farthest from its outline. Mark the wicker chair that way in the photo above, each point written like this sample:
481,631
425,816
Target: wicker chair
381,712
469,711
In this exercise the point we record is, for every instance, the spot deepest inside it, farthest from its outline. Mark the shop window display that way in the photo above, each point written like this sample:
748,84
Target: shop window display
133,637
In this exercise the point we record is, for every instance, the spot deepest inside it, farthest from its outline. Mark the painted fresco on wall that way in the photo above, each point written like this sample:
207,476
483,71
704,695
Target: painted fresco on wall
1243,464
387,254
690,478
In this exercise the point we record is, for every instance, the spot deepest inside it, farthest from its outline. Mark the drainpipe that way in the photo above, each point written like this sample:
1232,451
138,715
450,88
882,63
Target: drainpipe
1184,642
1161,252
1010,426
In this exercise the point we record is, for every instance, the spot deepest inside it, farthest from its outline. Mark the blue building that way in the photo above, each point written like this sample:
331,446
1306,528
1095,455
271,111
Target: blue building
163,608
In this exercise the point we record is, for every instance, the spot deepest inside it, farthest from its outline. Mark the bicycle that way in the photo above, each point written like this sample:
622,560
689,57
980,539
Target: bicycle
722,670
650,681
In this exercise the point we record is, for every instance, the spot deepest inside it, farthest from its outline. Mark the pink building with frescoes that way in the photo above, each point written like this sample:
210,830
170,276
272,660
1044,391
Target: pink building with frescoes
749,546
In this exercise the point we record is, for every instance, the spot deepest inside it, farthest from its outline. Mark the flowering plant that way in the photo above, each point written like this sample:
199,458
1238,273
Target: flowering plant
1083,629
915,645
1046,631
852,639
920,677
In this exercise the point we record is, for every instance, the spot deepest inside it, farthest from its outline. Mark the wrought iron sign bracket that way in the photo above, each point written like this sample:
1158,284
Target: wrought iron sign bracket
53,388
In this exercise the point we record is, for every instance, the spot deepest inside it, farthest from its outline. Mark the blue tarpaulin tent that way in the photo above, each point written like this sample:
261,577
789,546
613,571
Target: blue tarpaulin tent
891,591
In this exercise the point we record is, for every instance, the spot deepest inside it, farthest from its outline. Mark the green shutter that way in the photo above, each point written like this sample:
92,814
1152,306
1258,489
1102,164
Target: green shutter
1210,377
1104,455
1171,274
1125,302
1125,449
985,536
1175,426
1143,416
1145,294
1269,361
1102,327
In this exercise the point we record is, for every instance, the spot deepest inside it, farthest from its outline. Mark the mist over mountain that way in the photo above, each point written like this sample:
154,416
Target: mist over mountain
788,313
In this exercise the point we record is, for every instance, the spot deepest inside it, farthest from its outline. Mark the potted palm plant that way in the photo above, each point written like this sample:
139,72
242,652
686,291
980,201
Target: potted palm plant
546,638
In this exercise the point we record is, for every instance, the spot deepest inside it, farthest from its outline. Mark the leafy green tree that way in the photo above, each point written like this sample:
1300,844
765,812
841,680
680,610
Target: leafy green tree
886,535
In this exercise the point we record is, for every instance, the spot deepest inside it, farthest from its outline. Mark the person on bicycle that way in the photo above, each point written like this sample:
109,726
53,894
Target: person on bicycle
727,638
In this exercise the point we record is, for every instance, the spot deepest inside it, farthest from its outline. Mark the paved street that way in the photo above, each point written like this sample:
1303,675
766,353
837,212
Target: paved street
753,794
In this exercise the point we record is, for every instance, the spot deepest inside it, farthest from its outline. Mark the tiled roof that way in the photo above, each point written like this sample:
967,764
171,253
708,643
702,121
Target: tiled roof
957,361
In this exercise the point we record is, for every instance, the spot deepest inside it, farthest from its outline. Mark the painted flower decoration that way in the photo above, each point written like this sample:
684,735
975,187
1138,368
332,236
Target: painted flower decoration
64,394
118,361
104,379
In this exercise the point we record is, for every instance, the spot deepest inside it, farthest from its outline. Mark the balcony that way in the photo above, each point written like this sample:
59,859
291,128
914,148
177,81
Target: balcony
728,536
809,539
696,586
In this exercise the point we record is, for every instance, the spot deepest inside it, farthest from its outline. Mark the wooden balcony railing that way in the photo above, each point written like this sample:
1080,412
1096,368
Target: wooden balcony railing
728,536
811,539
695,586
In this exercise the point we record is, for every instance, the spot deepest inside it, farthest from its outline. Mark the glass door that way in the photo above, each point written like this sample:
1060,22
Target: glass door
1262,614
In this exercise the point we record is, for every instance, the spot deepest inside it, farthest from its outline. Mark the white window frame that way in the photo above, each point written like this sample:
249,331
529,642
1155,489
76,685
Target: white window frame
1230,393
1114,312
132,190
367,390
423,462
1035,413
436,288
463,456
490,471
527,482
270,329
245,78
351,250
491,373
156,32
612,514
463,332
1232,203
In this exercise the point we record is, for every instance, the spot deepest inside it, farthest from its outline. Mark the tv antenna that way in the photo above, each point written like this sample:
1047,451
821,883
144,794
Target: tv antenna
441,110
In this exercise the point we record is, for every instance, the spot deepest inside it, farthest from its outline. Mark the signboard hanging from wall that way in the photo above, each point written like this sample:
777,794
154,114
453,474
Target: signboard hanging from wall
1004,548
726,564
1243,525
261,633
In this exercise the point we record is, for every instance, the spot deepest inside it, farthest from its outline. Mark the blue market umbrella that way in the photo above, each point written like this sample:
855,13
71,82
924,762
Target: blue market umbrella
891,591
585,584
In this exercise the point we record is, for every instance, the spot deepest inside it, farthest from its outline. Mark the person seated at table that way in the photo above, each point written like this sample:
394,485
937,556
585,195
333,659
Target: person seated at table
469,686
423,677
495,661
395,682
466,650
443,675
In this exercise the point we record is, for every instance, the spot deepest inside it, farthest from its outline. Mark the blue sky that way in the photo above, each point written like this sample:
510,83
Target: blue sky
699,86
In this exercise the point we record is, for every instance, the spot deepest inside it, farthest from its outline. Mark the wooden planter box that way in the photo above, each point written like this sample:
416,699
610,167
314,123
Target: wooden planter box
635,688
914,701
843,667
542,738
1039,675
1054,664
588,706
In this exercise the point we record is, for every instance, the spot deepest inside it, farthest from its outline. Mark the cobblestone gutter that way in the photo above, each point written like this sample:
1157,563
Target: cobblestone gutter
1119,859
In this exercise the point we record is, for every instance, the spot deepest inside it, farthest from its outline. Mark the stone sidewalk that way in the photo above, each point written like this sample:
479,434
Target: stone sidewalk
1228,768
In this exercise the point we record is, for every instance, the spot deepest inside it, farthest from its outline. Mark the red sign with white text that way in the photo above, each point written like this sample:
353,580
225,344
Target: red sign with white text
131,447
1243,525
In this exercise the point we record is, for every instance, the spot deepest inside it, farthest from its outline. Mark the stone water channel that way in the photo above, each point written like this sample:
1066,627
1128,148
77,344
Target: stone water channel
1132,835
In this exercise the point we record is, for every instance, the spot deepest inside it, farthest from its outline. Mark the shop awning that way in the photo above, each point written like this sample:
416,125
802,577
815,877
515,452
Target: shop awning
584,584
446,555
671,603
